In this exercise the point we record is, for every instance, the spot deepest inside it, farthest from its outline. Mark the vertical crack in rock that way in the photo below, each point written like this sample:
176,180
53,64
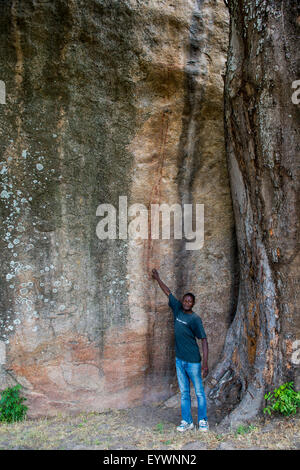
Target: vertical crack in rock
189,158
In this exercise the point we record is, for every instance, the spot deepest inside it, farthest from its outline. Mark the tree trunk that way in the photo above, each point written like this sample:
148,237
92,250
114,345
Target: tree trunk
261,141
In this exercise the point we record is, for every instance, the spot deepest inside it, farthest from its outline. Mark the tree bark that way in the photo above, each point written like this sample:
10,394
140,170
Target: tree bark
262,140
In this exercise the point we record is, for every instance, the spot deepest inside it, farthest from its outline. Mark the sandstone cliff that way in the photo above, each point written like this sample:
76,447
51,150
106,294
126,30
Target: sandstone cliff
108,99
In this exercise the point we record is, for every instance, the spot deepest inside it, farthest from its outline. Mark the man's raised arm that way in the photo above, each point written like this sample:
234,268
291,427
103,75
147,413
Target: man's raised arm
163,286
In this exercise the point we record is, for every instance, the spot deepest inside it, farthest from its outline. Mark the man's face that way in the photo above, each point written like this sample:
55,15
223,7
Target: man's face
187,303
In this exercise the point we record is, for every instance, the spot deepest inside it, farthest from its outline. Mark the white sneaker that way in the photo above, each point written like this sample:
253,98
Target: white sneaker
184,426
203,425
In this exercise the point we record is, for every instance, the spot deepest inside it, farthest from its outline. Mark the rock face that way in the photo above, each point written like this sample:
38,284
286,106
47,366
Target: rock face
107,99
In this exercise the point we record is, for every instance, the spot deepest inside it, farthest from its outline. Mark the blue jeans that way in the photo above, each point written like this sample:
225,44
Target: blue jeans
185,372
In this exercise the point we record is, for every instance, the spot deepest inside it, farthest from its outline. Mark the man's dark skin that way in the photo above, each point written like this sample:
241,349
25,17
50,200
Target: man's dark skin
187,305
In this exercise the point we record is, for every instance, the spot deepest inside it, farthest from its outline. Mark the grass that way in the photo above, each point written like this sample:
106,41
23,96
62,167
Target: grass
160,427
245,429
114,430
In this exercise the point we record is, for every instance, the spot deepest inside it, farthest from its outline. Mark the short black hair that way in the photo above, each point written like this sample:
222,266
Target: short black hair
191,295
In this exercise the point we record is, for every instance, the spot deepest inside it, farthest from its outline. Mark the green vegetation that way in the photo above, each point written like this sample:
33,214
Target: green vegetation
159,428
244,429
284,400
11,405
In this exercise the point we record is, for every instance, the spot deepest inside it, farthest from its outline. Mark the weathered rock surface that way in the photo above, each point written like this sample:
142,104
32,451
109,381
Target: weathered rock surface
107,99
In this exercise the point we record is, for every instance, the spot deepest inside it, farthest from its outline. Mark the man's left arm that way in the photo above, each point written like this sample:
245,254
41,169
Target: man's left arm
205,357
200,334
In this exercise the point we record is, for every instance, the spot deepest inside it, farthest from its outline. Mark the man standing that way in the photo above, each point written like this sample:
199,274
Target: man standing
187,327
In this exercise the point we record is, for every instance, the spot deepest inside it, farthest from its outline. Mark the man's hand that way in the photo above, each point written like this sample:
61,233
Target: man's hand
155,274
163,286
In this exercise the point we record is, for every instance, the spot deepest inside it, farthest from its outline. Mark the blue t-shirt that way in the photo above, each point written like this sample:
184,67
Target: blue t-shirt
187,327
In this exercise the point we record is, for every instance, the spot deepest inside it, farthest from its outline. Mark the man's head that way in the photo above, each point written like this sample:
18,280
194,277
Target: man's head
188,301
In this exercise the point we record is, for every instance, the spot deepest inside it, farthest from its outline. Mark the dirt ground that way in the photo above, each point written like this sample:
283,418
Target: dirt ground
144,428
